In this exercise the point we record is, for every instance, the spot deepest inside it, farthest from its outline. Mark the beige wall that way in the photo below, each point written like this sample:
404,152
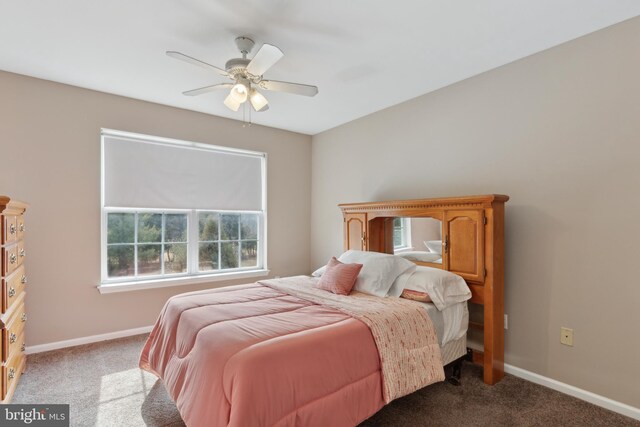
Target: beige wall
50,151
560,133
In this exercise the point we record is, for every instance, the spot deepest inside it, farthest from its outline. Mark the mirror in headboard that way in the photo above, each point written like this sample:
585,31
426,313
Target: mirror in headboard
418,239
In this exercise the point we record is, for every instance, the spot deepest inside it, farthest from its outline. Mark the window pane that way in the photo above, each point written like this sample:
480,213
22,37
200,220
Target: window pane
175,228
149,260
149,227
208,256
120,227
397,237
249,226
249,254
229,229
120,261
229,254
208,224
175,258
397,222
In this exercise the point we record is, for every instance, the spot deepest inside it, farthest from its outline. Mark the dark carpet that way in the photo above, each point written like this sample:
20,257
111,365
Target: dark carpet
104,387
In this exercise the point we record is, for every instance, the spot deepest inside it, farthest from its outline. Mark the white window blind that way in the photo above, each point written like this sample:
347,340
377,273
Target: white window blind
157,173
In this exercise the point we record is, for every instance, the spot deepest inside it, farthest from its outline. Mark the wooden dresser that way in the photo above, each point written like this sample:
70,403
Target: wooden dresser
12,309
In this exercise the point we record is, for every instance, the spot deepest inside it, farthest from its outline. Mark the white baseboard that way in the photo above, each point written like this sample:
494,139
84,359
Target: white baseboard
87,340
581,394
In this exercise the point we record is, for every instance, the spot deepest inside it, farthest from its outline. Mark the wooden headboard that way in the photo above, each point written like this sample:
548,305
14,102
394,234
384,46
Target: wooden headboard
473,247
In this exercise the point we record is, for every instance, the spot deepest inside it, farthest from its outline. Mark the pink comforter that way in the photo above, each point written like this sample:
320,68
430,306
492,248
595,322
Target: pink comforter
253,356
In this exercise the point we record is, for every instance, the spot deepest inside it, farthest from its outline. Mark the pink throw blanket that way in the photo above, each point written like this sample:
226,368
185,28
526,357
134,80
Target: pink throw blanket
255,355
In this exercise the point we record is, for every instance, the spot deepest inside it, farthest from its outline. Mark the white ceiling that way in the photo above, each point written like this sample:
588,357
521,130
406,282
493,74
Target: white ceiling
364,55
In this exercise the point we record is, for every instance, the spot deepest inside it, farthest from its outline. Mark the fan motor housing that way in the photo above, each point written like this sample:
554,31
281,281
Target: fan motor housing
236,65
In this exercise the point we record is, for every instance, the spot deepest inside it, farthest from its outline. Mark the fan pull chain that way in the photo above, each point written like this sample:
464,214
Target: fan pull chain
246,107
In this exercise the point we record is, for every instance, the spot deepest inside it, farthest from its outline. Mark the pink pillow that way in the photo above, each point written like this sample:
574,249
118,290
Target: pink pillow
339,278
416,295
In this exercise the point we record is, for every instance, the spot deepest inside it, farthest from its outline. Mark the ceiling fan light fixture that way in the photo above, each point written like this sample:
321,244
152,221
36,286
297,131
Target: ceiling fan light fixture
258,101
231,102
240,91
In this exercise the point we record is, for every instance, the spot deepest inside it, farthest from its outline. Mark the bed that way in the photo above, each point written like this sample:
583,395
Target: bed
257,354
283,353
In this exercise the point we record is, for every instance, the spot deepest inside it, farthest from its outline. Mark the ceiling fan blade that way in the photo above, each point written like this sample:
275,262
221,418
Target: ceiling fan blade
264,59
194,61
296,88
206,89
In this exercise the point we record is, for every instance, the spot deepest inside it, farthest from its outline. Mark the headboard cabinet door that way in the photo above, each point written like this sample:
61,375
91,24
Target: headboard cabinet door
464,243
355,226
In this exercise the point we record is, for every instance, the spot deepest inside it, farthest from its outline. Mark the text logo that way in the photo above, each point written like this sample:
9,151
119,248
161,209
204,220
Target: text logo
34,415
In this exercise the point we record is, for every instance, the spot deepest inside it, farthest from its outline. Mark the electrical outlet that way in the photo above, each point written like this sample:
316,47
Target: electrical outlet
566,336
506,321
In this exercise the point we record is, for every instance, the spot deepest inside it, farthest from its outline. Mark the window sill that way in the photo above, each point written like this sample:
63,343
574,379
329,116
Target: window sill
107,288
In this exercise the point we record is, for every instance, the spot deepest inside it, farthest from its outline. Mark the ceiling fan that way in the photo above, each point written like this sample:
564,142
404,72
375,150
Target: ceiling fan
247,76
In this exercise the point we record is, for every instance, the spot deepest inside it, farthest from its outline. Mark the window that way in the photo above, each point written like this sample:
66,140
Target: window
401,233
227,240
175,210
146,244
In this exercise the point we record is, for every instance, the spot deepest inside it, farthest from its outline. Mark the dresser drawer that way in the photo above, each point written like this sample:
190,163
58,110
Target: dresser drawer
11,372
13,332
21,252
12,288
20,227
9,259
9,229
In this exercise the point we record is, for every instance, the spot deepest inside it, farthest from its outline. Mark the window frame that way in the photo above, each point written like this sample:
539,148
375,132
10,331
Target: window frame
405,230
192,276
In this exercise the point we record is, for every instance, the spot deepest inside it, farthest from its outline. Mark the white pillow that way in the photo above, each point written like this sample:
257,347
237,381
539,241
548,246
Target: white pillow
379,271
444,288
399,284
434,246
420,256
319,272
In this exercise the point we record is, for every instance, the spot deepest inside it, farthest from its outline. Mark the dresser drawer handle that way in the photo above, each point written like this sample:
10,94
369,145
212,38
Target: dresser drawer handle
13,258
22,228
12,292
12,229
12,373
23,347
12,338
23,317
22,253
23,280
